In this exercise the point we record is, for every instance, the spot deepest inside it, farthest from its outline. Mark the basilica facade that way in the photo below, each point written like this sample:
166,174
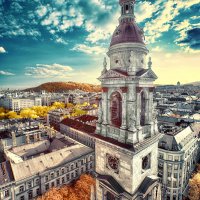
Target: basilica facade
127,136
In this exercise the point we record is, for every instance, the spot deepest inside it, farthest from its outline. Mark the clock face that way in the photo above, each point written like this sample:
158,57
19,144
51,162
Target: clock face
113,163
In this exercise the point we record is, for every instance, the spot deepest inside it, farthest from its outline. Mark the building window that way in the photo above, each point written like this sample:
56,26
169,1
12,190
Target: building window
29,185
161,156
52,184
47,186
110,196
67,176
116,109
58,173
170,157
58,181
21,188
62,170
76,173
22,198
175,166
30,194
6,193
143,109
52,175
37,181
175,175
46,178
176,158
63,179
38,191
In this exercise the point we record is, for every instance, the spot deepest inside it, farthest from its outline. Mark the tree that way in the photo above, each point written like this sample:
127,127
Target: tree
80,190
58,105
28,113
12,115
194,184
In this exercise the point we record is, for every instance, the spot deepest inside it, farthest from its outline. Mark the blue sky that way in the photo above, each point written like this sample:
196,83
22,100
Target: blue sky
63,40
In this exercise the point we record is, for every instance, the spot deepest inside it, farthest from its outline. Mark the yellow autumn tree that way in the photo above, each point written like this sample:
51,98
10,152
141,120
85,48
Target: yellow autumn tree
12,115
58,105
194,184
28,113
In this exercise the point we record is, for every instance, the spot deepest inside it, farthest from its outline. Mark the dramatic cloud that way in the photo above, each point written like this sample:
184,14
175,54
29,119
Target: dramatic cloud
2,50
89,49
5,73
192,39
49,71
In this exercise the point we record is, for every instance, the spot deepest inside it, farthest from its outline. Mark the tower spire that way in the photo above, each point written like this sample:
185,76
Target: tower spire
127,9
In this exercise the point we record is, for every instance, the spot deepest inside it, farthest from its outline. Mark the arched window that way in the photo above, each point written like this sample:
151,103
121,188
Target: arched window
110,196
143,109
116,109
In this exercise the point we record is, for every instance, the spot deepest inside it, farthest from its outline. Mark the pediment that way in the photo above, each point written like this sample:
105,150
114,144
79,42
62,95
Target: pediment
149,74
112,74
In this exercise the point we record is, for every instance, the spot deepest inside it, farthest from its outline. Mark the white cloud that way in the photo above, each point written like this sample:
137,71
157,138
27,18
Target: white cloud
89,49
162,23
41,11
49,71
157,49
145,10
2,50
6,73
103,32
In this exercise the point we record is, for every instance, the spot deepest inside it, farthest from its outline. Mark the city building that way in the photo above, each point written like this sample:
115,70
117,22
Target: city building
16,104
126,135
81,129
32,169
178,156
54,117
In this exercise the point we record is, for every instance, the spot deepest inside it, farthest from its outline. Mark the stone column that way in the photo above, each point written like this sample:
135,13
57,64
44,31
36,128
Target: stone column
124,108
105,110
105,105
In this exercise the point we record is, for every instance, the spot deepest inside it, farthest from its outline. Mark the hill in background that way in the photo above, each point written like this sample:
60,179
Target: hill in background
65,86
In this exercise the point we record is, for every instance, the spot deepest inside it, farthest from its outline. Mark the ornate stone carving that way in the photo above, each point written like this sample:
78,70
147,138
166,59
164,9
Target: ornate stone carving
100,113
132,119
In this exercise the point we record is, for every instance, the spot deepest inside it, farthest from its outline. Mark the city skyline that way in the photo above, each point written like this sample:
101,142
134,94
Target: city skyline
61,41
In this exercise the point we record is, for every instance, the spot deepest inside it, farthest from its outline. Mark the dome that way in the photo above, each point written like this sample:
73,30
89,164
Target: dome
127,32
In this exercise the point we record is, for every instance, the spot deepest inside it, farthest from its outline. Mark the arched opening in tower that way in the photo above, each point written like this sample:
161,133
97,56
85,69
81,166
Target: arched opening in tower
143,109
116,109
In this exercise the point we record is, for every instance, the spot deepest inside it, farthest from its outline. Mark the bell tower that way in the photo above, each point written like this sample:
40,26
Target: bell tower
126,132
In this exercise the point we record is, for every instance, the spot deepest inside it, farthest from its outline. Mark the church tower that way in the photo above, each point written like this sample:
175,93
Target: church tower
127,135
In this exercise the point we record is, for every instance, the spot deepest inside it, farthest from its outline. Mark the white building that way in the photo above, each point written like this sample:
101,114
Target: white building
16,104
32,169
177,158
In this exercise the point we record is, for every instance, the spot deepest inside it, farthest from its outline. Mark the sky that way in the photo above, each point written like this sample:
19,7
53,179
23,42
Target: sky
63,40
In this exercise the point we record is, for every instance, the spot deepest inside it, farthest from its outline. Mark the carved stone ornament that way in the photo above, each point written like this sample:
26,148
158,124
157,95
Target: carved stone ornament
112,163
132,119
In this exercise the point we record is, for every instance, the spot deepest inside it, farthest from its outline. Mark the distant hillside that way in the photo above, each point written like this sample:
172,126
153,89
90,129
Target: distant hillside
196,83
65,86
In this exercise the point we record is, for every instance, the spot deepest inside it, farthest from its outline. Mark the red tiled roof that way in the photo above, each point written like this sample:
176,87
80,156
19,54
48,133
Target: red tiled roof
115,142
79,125
87,118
